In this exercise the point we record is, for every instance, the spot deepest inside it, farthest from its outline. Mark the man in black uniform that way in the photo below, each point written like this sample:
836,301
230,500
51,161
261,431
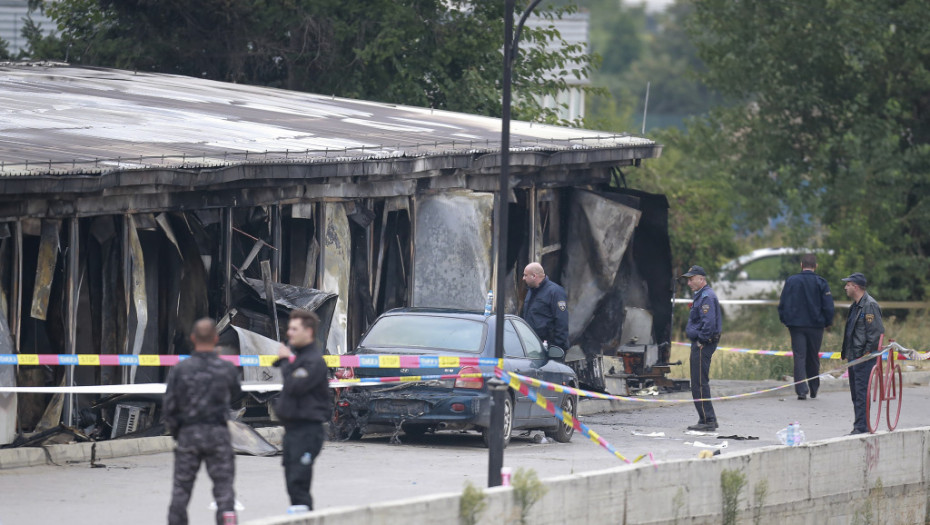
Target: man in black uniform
304,405
196,408
806,308
545,308
864,329
703,328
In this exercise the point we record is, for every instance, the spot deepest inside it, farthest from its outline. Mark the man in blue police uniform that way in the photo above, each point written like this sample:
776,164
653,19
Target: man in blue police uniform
806,308
864,329
545,308
703,329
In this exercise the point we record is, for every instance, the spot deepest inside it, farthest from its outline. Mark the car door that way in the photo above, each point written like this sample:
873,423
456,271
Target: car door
515,360
538,360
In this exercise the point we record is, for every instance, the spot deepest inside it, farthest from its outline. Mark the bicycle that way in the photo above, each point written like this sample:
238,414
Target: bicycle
885,385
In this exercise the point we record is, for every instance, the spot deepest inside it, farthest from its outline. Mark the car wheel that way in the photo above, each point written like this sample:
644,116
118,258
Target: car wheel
564,432
508,423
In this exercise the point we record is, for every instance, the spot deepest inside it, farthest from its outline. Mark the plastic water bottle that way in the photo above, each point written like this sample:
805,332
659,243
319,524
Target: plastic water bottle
488,305
792,439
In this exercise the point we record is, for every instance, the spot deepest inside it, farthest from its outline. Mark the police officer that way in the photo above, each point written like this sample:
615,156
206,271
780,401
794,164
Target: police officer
303,406
196,408
545,308
863,331
703,329
806,308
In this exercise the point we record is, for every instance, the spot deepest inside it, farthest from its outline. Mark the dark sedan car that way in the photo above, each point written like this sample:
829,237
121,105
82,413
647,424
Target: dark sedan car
463,403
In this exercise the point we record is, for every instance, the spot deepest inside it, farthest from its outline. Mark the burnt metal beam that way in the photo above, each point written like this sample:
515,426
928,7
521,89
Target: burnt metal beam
276,241
16,299
269,297
226,246
72,291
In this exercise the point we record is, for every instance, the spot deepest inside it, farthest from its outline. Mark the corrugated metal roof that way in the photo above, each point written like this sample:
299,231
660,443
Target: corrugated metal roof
57,119
12,13
573,28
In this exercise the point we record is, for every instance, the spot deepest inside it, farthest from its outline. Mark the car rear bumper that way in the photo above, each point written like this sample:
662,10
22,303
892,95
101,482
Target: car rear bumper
428,408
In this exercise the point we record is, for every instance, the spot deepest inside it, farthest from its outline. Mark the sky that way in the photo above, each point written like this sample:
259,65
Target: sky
651,5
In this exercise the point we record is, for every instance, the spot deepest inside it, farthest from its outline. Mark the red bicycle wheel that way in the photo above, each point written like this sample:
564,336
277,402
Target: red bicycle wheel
895,391
873,400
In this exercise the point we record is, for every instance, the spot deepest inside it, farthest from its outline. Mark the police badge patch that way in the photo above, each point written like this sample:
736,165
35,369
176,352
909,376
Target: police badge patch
705,309
562,305
869,318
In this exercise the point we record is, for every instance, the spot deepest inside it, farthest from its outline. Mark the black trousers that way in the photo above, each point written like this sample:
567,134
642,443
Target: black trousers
859,390
805,344
700,380
302,444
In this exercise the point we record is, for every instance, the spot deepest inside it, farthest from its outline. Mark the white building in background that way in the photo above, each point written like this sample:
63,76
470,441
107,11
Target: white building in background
12,15
574,30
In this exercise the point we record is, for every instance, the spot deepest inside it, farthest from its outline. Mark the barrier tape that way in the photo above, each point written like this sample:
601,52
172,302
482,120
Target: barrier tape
332,361
610,397
159,388
517,383
904,354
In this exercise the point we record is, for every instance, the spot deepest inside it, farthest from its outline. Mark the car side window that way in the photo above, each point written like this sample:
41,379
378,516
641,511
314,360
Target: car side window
534,347
512,345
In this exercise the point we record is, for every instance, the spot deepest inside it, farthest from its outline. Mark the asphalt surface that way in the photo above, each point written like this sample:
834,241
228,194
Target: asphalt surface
137,489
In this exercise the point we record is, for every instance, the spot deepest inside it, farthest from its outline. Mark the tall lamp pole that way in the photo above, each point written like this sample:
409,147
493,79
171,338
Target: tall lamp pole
498,388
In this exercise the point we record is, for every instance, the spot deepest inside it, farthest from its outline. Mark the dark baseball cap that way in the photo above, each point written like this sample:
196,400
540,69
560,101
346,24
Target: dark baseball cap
694,270
856,278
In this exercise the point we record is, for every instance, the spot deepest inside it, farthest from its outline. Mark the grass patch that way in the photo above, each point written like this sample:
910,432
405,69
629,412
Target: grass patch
758,327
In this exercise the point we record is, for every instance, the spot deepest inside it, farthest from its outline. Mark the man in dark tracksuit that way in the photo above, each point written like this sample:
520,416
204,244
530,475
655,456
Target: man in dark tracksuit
864,329
303,406
545,308
806,308
196,408
703,329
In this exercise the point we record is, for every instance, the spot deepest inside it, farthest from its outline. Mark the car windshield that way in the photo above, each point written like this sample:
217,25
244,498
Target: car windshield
433,333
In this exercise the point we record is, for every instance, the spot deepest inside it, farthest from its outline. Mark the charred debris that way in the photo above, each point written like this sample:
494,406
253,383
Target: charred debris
182,199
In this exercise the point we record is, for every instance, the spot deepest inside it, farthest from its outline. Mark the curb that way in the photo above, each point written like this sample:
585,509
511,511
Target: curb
70,453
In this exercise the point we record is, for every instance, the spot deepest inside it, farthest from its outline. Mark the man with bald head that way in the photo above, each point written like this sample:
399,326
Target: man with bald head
197,401
545,308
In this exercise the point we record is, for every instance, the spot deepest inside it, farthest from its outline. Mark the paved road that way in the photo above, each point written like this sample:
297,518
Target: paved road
137,489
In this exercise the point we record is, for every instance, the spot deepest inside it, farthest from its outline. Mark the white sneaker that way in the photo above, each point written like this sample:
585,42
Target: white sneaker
298,509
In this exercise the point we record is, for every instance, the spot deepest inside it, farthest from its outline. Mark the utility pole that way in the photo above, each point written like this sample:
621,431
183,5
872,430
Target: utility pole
499,388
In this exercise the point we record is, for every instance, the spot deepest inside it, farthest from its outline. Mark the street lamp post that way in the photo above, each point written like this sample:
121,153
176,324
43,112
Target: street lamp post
498,390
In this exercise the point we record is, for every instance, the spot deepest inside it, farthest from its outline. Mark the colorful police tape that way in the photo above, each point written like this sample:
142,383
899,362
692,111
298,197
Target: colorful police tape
905,354
332,361
597,395
518,383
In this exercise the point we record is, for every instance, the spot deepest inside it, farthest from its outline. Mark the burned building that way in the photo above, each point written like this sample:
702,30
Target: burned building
132,204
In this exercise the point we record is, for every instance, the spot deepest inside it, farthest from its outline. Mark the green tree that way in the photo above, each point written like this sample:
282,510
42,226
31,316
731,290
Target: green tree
641,47
437,53
834,128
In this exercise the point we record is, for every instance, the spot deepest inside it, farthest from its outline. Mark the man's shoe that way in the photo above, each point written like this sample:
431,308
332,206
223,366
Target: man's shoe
857,431
704,427
813,395
802,397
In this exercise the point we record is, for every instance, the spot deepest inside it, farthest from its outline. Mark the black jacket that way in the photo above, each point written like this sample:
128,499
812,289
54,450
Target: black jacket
199,390
806,301
704,320
863,328
546,311
305,396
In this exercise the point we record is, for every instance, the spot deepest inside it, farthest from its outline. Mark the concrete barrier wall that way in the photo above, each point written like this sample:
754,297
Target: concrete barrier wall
879,479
